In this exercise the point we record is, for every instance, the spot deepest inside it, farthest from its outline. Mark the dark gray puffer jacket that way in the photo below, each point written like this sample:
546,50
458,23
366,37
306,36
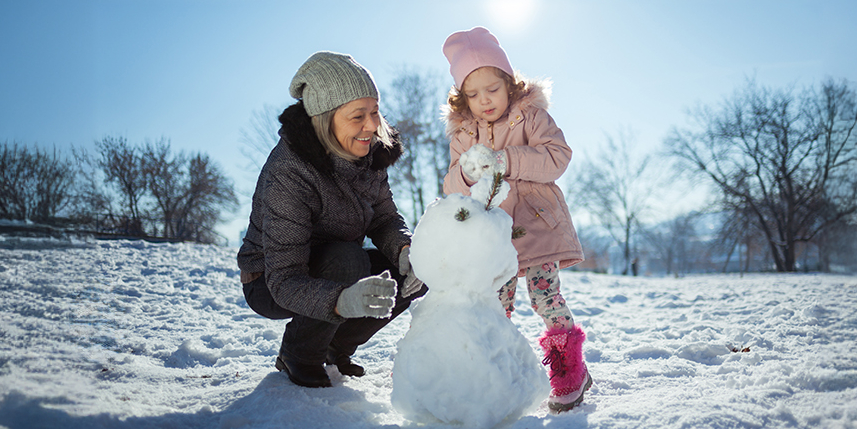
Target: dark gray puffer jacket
306,197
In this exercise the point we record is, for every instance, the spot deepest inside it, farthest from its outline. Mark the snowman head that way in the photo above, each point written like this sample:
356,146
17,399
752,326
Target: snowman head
464,244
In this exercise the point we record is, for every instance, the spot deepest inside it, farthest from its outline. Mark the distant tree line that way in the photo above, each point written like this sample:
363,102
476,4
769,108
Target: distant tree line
143,190
783,164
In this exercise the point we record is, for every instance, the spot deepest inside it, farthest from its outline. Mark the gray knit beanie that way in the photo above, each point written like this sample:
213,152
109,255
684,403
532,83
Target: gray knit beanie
328,80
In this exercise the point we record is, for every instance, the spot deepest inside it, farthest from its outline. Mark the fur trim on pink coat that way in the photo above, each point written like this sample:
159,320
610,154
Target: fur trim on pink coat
537,95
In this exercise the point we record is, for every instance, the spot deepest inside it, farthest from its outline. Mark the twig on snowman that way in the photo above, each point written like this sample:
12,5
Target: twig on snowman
495,189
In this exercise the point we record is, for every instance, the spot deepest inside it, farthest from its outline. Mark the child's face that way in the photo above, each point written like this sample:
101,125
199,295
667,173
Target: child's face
486,94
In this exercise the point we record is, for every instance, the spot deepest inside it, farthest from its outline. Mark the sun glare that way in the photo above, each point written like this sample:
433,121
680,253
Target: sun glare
514,16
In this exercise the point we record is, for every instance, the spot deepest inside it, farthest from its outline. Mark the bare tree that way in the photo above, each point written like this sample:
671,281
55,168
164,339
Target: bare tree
55,176
738,233
837,247
34,184
615,187
166,181
207,194
412,106
261,135
91,198
596,247
787,159
671,242
16,173
123,167
185,196
188,194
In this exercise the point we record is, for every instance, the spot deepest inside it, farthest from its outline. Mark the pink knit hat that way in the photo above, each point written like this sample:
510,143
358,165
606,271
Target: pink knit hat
469,50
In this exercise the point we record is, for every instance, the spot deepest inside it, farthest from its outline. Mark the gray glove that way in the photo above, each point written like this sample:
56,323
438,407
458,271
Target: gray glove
370,297
411,283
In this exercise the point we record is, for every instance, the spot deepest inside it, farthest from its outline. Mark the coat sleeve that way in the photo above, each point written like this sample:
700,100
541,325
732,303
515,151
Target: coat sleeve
545,156
388,229
455,182
287,226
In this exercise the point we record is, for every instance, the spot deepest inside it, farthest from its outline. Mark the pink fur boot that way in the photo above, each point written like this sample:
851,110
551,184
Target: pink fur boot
568,374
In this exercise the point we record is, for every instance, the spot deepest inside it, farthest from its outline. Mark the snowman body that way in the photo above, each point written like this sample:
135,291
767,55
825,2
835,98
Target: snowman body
463,361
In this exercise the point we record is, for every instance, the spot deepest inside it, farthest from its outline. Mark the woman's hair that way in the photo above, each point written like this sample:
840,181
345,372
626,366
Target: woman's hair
323,125
514,85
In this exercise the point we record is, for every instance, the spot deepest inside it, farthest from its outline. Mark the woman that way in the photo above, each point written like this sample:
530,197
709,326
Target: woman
323,190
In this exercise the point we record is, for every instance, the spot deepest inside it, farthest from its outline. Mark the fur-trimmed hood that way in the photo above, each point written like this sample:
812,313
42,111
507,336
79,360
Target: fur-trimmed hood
297,131
536,95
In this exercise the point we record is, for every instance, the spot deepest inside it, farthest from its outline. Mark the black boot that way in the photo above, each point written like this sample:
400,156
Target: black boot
343,363
306,375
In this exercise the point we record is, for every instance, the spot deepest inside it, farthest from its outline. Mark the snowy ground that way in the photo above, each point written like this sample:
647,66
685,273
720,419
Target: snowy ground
132,335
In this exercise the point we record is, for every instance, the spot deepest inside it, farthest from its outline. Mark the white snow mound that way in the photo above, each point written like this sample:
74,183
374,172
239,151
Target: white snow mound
462,361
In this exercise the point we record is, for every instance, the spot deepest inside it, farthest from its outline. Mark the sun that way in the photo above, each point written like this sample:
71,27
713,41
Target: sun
511,16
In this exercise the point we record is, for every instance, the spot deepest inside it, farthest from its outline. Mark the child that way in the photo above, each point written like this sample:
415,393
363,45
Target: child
497,123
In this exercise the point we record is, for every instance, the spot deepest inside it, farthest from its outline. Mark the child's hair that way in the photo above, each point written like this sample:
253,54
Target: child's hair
514,85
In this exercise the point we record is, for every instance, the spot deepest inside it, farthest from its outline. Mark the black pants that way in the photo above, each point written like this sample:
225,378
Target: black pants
307,340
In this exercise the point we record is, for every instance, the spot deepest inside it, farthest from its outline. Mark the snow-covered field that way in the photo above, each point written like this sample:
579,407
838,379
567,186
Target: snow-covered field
105,334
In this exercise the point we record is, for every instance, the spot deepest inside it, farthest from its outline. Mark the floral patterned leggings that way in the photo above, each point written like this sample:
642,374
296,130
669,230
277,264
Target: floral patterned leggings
545,297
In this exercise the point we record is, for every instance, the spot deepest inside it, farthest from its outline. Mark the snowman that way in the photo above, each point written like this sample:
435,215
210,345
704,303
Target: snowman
463,361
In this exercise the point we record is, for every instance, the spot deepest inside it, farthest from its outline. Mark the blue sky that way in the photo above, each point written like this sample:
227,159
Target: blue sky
73,72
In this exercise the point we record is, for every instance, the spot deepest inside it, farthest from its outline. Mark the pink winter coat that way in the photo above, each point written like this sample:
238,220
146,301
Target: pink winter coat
537,155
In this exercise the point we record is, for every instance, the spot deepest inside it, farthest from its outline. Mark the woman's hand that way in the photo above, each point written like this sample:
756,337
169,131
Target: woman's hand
370,297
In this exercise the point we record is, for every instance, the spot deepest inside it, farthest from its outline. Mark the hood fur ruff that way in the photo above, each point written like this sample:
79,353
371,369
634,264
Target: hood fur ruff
536,96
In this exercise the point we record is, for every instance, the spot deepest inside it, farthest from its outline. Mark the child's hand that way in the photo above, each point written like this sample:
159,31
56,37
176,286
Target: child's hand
476,161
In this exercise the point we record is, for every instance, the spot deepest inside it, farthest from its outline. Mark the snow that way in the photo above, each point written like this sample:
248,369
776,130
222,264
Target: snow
462,360
104,334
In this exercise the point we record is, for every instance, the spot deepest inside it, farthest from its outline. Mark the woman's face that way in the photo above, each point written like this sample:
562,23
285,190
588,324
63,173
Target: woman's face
354,124
486,94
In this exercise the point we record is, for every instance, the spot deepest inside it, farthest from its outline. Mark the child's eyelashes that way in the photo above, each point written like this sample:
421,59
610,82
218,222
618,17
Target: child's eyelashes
474,94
